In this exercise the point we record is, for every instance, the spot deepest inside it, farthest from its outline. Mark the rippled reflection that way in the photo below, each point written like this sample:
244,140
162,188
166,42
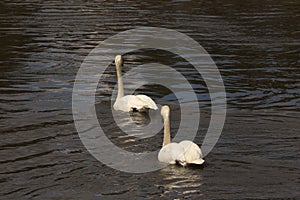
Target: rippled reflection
182,181
255,45
141,119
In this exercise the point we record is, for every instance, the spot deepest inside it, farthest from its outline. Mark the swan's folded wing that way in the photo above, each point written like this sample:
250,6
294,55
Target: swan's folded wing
147,101
134,102
170,153
192,152
124,104
138,102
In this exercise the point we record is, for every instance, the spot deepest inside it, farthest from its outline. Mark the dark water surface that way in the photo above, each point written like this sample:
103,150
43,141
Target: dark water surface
255,45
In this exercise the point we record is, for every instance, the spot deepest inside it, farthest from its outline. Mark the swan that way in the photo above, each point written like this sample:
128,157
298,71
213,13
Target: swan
184,153
130,103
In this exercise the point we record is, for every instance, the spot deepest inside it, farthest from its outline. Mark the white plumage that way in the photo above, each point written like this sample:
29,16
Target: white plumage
171,153
130,103
184,153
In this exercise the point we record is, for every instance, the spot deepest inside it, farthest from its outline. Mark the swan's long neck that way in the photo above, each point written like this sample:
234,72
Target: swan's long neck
120,81
167,134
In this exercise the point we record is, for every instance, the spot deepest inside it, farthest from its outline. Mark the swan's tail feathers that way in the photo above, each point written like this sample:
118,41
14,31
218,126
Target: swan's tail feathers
199,161
147,101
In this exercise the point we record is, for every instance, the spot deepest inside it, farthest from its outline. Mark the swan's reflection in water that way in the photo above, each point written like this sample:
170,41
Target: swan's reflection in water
139,124
141,119
181,181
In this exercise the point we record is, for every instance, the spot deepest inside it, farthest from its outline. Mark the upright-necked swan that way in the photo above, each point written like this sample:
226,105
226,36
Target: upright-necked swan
130,103
183,153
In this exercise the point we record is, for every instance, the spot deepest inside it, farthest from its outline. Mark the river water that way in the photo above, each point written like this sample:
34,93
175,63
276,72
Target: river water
255,45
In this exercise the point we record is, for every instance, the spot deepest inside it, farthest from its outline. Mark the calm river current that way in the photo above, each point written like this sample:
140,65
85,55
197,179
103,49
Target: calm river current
255,44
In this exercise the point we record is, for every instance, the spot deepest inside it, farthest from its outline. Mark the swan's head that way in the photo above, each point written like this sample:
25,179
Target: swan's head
119,60
165,111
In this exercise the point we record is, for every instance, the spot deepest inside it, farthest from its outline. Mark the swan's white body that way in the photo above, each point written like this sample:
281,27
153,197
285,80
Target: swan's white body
130,103
184,153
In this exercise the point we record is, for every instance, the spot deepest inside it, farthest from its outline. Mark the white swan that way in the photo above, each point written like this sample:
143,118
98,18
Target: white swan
130,103
183,153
